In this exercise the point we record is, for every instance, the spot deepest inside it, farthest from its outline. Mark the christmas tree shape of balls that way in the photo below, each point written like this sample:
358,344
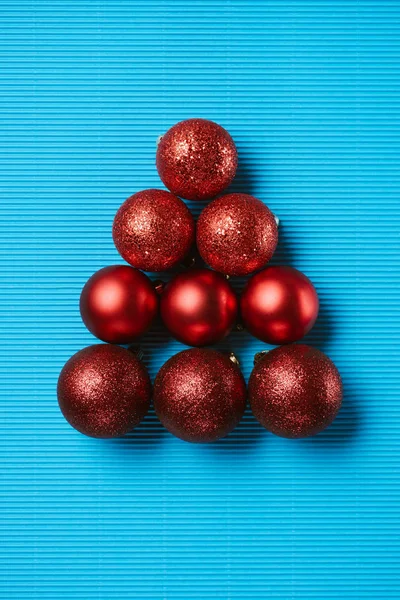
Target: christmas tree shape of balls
199,394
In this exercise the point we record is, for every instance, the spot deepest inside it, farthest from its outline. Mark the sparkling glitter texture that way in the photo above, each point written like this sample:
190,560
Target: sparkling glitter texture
295,391
153,230
199,307
118,304
104,391
199,395
236,234
279,305
196,159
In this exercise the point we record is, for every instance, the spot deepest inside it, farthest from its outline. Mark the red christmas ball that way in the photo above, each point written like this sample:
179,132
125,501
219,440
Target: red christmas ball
279,305
295,391
199,307
196,159
153,230
236,234
118,304
199,395
104,391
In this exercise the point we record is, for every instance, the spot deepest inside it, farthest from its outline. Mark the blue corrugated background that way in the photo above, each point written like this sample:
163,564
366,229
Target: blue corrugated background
310,92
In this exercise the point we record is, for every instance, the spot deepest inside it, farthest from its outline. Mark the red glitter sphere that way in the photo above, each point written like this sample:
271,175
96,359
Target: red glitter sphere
104,391
199,395
196,159
279,305
236,234
153,230
118,304
199,307
295,391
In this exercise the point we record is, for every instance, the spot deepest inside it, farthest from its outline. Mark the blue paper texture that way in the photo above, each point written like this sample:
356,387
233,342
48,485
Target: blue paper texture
310,93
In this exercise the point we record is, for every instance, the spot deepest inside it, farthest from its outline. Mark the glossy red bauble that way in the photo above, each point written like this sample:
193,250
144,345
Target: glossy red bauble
295,391
153,230
196,159
104,391
199,395
236,234
199,307
118,304
279,305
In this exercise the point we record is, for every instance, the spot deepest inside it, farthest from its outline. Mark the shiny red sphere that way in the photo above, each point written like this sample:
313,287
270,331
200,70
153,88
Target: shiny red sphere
279,305
236,234
295,391
199,307
118,304
199,395
153,230
104,391
196,159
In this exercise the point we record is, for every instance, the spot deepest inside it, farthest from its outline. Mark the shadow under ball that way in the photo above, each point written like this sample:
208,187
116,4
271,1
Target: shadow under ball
104,391
295,391
199,395
279,305
199,307
118,304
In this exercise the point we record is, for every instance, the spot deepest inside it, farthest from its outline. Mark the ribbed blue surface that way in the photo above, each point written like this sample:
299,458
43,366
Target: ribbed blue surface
310,92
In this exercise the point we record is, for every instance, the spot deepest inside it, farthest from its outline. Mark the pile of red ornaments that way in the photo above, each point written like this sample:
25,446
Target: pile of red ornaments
199,394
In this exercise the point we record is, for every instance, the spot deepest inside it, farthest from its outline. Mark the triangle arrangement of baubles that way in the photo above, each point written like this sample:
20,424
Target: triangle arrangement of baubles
200,394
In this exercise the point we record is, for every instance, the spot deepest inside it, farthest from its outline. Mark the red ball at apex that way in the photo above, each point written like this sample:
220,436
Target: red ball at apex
279,305
199,307
236,234
118,304
153,230
196,159
104,391
199,395
295,391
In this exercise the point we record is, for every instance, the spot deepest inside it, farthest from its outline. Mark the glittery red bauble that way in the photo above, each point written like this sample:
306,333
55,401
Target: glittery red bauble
118,304
236,234
279,305
153,230
104,391
199,395
196,159
295,391
199,307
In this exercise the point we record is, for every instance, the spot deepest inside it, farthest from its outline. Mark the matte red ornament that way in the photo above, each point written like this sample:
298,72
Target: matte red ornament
279,305
199,307
199,395
153,230
236,234
196,159
104,391
118,304
295,391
